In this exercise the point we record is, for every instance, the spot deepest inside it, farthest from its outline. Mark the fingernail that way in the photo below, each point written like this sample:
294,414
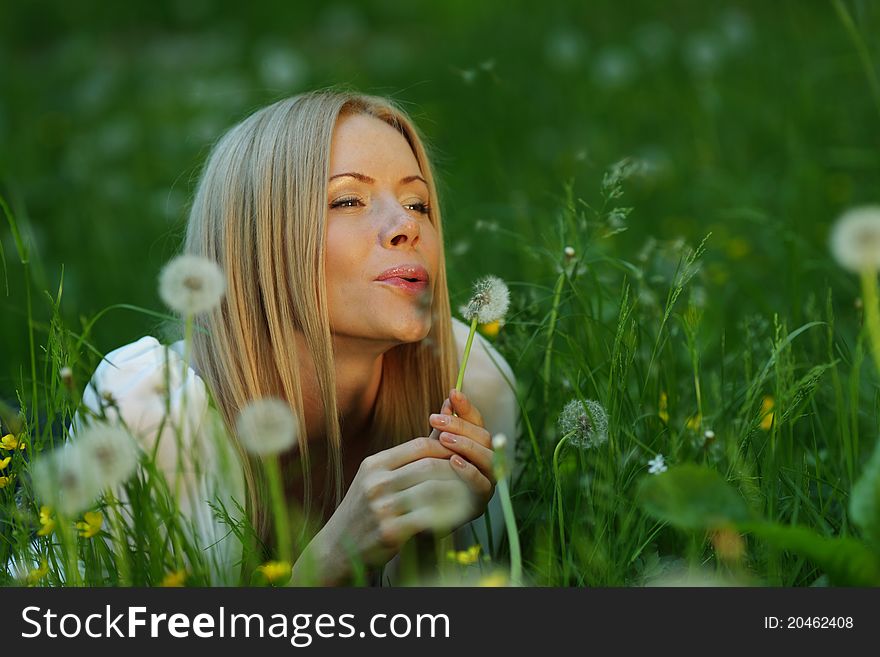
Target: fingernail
457,461
439,419
448,438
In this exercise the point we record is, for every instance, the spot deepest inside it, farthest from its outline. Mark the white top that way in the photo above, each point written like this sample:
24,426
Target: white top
134,375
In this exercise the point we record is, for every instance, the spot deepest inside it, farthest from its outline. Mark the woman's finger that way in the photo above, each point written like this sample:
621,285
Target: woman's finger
472,476
464,408
462,427
416,472
472,451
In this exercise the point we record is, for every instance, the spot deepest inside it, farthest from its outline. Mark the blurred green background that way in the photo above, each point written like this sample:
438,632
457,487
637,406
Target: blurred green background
753,120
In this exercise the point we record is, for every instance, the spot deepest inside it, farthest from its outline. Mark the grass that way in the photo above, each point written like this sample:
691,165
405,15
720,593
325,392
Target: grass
700,273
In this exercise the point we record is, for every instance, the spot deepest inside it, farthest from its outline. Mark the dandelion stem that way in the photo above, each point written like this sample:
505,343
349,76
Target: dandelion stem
279,511
559,514
467,353
872,314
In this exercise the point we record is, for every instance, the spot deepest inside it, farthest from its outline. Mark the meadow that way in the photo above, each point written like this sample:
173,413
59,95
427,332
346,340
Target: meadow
656,184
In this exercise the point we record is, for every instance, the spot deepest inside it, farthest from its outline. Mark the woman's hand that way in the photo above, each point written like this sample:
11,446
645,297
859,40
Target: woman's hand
396,494
472,443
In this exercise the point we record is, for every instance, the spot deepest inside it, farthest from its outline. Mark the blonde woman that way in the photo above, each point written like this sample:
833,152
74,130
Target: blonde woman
322,212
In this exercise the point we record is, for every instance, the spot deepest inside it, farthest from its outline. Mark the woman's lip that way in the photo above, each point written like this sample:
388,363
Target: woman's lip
412,287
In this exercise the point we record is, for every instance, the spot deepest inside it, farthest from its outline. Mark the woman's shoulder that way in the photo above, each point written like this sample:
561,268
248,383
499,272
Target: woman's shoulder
135,378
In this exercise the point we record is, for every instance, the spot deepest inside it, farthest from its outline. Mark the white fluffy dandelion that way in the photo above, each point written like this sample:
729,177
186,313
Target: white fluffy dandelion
267,426
586,421
657,464
489,302
113,450
499,441
67,479
855,239
191,284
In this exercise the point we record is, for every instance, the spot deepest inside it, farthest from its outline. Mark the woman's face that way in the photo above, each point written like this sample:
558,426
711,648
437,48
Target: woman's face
377,219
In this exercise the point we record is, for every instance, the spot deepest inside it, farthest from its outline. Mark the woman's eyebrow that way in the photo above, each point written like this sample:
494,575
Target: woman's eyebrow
370,181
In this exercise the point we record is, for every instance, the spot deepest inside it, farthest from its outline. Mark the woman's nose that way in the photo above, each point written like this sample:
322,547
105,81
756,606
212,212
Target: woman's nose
401,229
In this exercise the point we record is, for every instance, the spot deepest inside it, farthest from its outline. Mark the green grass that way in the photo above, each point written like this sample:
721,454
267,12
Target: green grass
703,273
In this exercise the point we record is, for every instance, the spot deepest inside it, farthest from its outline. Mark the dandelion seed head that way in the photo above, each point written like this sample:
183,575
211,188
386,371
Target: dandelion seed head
67,479
114,451
855,239
489,302
569,252
709,434
499,441
586,421
267,426
191,284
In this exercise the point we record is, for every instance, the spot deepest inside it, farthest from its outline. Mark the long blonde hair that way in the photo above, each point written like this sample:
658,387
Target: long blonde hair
260,212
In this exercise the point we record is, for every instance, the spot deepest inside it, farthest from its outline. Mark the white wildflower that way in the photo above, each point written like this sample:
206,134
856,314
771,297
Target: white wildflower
267,426
569,252
586,421
114,451
709,435
657,464
489,302
855,239
191,284
67,478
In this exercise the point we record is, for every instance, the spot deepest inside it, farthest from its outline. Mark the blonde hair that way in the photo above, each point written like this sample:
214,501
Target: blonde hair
260,212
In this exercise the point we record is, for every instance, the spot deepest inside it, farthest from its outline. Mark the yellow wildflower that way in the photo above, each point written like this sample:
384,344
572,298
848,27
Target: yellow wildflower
275,572
5,481
767,412
695,422
5,462
464,557
491,329
663,412
498,578
91,525
10,442
174,579
38,573
47,521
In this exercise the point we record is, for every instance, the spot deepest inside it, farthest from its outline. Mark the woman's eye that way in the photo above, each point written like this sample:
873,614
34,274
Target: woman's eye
347,202
421,208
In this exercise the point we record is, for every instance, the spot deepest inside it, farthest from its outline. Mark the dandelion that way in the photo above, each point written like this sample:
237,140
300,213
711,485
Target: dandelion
37,574
585,423
499,441
275,572
174,579
91,524
657,464
855,239
67,479
191,284
47,522
855,244
709,435
10,442
114,451
767,412
267,426
489,302
569,252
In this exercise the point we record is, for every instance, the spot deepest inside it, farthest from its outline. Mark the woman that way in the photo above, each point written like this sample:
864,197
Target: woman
314,207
